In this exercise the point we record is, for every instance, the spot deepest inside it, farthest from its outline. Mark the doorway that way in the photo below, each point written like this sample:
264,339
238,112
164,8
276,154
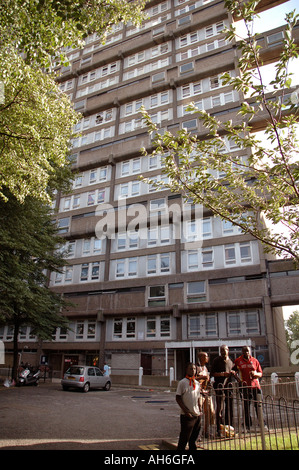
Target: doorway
146,363
70,360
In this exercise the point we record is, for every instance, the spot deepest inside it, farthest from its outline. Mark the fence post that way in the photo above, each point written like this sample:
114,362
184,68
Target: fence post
140,375
171,375
261,419
297,382
274,381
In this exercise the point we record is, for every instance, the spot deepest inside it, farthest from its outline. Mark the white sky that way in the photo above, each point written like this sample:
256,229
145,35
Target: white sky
271,19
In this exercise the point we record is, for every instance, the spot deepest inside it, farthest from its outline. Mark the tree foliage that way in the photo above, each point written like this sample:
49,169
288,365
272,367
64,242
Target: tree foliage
40,29
259,181
36,123
292,328
25,262
36,119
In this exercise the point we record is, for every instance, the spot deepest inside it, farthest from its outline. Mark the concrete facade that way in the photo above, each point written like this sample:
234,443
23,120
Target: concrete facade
166,279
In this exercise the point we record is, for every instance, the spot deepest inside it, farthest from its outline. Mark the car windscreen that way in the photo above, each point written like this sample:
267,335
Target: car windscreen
75,370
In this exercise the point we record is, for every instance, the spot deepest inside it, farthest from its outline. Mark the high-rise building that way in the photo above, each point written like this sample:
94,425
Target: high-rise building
153,278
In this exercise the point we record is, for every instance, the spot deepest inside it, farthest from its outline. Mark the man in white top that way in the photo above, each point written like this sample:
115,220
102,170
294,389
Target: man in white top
188,398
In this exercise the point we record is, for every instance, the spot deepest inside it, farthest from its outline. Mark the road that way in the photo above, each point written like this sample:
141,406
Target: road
47,418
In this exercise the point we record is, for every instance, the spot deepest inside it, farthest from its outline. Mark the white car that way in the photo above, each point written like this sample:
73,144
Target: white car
85,378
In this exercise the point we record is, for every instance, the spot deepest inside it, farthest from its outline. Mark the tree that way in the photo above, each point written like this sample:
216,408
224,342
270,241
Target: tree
25,262
36,119
292,328
259,182
40,29
36,124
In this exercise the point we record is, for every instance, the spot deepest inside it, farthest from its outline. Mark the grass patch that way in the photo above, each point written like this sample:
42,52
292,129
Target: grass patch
278,441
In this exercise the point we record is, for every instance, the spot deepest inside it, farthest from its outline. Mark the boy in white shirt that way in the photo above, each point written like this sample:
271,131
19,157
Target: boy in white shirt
188,398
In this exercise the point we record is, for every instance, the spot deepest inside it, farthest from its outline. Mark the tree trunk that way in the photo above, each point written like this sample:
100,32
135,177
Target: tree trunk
15,352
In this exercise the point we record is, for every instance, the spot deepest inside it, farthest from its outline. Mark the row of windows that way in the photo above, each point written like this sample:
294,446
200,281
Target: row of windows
105,73
155,236
199,325
216,257
205,85
196,229
130,115
126,168
237,323
153,101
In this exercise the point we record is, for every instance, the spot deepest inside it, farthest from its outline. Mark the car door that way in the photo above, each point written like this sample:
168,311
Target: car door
100,379
91,377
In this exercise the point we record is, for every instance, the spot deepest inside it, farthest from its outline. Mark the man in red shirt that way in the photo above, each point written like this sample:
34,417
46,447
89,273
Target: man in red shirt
250,372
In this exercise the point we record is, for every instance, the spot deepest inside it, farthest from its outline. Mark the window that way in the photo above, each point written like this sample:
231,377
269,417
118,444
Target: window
234,324
196,292
158,327
90,272
84,272
245,252
211,324
63,225
85,330
131,167
191,89
243,322
230,254
190,125
98,175
130,189
193,260
127,240
91,246
156,296
157,206
59,334
158,236
186,68
151,328
158,263
207,257
214,82
68,275
125,268
275,38
194,325
252,322
130,328
96,197
117,328
238,253
124,328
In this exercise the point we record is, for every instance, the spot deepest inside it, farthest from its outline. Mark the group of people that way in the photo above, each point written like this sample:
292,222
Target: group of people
194,399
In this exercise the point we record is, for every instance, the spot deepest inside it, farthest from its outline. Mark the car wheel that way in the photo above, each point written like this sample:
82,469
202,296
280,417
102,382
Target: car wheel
86,387
65,388
107,386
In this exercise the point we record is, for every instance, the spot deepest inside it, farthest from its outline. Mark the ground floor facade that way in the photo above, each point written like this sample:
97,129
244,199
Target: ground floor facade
165,323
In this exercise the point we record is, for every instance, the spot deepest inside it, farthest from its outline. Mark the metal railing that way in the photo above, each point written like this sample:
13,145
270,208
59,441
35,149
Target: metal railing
241,418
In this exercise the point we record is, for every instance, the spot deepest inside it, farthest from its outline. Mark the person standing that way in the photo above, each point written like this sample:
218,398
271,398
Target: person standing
222,372
203,377
106,369
188,398
250,372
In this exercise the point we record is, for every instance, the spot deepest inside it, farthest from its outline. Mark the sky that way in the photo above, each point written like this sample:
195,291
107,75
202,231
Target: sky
271,19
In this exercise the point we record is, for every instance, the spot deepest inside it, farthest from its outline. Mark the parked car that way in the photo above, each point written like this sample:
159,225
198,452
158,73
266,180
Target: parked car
85,378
